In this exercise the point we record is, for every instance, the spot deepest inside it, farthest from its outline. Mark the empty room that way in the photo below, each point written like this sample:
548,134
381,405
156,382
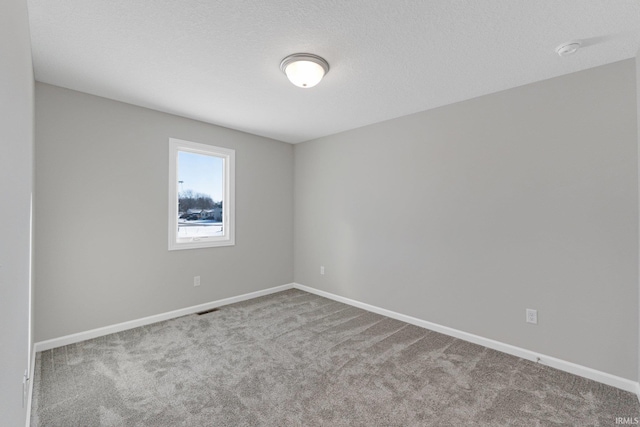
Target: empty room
319,213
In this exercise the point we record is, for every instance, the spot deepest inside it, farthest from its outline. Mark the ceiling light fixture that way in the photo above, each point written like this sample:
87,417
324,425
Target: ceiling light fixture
566,49
304,70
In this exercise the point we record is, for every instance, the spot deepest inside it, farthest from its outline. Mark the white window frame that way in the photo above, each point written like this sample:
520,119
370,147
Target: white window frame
228,185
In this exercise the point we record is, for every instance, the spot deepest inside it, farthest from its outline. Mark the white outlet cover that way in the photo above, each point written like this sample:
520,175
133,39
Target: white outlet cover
532,316
196,281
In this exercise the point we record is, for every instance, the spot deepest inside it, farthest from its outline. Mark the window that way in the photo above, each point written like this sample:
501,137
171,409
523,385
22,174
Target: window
201,195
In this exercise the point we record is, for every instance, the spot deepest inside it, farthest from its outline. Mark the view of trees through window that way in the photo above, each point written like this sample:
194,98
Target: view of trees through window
191,200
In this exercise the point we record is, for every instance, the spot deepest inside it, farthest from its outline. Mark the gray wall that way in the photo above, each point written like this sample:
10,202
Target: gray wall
16,183
638,122
467,214
101,220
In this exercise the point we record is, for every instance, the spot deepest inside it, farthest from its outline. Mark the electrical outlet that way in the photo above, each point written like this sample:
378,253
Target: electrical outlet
196,280
532,316
322,270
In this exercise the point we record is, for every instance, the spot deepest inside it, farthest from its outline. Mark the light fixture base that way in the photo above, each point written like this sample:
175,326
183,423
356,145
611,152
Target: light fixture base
566,49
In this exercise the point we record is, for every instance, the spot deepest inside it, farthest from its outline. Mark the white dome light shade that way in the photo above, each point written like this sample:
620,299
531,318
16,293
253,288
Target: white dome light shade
304,69
304,73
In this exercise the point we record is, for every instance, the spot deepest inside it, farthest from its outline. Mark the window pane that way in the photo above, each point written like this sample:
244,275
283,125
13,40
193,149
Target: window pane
200,195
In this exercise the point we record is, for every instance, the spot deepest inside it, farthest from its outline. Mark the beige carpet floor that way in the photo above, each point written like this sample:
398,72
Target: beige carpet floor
296,359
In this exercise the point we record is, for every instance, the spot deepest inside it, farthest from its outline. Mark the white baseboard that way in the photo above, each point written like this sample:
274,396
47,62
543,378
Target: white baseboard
563,365
94,333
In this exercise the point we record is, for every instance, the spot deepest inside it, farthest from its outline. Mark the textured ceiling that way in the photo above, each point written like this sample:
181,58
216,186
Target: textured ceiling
218,60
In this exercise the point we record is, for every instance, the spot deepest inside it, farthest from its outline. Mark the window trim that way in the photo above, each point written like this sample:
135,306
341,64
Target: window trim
228,155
